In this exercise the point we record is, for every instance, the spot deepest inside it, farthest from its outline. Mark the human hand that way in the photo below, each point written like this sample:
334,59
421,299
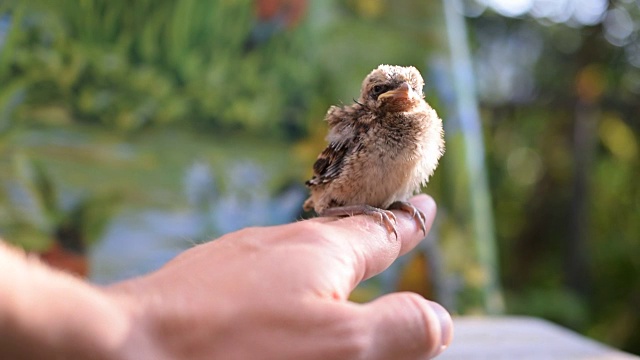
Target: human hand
282,292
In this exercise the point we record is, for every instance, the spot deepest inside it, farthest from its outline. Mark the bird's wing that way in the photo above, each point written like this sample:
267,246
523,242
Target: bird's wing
329,163
342,133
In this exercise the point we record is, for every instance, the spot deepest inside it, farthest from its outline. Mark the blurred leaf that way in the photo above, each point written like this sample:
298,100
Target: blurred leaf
619,138
39,187
556,304
11,96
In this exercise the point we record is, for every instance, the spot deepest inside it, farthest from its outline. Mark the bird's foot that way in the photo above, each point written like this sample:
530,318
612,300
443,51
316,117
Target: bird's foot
385,217
415,213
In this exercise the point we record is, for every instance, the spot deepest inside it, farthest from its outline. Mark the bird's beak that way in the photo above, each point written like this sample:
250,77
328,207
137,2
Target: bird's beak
401,92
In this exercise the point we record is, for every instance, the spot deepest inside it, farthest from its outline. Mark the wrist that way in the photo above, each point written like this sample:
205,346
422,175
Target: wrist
48,314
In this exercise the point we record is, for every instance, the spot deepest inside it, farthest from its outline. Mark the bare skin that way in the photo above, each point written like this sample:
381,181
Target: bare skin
270,293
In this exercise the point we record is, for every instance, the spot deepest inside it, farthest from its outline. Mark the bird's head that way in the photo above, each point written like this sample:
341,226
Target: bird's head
392,89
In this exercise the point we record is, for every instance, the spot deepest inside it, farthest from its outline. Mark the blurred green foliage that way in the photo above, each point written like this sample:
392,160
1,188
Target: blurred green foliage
131,65
39,215
558,102
562,132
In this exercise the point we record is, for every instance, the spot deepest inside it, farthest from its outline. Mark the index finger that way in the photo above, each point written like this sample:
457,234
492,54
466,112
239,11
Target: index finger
372,246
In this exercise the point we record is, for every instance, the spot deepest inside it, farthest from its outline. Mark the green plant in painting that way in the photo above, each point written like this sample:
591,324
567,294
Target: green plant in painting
41,214
129,65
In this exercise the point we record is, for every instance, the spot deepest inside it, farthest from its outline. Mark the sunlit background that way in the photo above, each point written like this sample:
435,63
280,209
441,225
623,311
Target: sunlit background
132,130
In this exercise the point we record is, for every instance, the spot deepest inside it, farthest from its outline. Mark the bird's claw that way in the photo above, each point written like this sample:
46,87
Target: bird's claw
385,217
389,220
406,206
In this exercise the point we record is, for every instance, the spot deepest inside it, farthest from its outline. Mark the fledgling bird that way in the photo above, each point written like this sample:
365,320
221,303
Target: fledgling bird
382,150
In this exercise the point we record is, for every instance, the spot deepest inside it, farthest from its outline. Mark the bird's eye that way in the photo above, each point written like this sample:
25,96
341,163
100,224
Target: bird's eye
378,89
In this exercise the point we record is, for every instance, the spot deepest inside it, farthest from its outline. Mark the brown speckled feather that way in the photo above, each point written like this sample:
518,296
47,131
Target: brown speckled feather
329,164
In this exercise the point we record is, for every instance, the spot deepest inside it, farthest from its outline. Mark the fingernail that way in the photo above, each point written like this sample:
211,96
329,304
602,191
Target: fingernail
446,325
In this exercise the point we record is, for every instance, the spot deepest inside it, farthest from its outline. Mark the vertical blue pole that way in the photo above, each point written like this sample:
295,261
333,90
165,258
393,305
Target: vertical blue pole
468,123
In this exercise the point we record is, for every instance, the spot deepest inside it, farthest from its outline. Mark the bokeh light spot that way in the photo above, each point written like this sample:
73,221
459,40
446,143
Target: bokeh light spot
618,138
524,166
618,26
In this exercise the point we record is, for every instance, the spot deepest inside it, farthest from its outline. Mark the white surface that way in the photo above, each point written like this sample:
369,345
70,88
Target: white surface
522,338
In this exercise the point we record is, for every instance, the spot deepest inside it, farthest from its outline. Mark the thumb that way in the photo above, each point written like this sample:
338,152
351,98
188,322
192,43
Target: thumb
407,326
